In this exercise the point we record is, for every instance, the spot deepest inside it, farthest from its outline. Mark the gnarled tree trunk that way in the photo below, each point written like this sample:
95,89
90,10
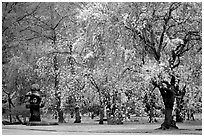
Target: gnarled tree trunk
168,99
168,95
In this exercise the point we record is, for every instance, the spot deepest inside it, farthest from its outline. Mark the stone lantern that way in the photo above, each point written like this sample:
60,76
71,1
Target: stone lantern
34,103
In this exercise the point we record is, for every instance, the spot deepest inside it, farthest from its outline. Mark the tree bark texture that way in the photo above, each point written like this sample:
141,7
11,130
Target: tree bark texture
101,114
58,96
77,115
61,117
168,96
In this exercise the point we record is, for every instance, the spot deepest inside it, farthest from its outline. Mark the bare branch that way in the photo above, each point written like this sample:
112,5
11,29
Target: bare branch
93,82
59,22
45,23
176,65
178,23
5,91
166,20
190,36
4,29
28,14
39,34
172,7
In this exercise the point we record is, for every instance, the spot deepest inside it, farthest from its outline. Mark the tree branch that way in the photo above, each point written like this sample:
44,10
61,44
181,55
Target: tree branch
5,91
59,22
166,20
176,65
190,36
93,82
28,14
39,34
45,23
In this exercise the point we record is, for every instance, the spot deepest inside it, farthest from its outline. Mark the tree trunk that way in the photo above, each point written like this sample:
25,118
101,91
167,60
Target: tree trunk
57,94
9,101
77,115
101,114
19,120
168,99
56,68
61,117
60,111
108,115
151,114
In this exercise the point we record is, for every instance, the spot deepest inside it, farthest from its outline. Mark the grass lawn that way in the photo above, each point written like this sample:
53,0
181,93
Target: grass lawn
89,126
